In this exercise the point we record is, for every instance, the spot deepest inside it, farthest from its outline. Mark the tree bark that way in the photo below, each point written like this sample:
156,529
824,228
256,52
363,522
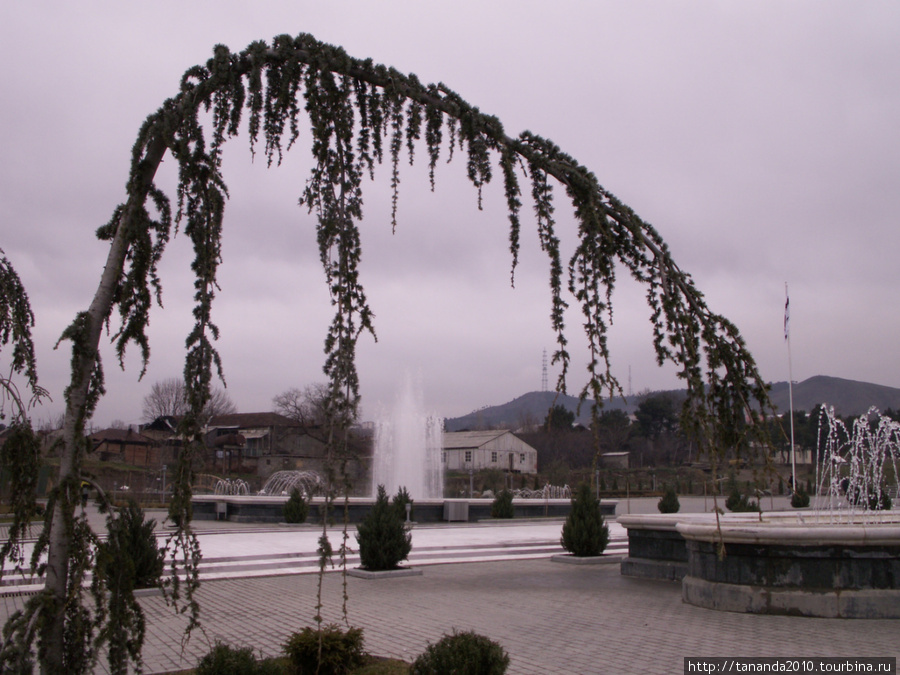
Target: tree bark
85,355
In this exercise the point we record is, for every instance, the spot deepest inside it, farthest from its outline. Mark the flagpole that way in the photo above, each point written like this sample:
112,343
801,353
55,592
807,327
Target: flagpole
787,338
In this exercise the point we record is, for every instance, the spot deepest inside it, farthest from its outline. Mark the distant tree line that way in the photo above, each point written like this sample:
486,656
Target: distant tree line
654,437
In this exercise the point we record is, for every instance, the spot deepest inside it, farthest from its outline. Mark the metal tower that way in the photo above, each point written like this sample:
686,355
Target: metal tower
544,373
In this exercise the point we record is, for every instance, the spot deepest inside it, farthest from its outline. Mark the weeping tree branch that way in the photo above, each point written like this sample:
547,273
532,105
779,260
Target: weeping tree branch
358,112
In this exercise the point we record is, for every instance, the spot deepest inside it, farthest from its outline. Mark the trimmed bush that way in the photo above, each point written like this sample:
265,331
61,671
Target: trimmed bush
669,502
226,660
342,650
382,536
503,506
465,653
584,533
295,508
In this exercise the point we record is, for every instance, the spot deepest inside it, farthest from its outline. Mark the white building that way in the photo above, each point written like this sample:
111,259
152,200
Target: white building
498,449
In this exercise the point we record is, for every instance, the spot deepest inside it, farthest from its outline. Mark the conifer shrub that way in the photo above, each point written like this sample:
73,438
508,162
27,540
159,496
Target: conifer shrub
130,557
800,499
295,508
738,503
465,653
669,503
584,533
502,506
399,502
341,650
382,536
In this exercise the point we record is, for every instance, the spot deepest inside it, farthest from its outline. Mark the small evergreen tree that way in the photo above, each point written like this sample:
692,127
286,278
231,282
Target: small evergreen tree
382,538
503,506
131,555
669,502
295,508
584,533
399,502
800,499
739,503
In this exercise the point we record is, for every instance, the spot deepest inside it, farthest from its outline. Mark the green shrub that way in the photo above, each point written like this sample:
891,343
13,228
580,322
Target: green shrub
341,651
800,500
226,660
399,502
295,508
502,507
382,537
584,533
669,502
738,503
131,557
462,654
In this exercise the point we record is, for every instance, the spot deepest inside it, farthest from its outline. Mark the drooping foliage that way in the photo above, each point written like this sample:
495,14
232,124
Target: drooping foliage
360,115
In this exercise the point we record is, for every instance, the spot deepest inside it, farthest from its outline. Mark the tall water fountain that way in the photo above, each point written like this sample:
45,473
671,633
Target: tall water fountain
408,445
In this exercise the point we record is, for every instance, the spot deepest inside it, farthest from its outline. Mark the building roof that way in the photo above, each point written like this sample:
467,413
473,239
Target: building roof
459,440
120,436
252,420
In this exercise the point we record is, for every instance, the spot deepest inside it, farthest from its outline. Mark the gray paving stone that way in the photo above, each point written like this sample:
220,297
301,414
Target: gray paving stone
551,619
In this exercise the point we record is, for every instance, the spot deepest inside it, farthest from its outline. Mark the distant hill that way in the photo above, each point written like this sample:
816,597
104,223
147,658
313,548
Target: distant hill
847,396
529,409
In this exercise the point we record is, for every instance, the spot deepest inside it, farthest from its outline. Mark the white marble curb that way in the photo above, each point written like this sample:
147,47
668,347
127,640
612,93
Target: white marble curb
570,559
360,573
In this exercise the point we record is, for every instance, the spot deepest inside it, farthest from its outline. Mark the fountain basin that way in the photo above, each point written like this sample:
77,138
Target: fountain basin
268,509
782,563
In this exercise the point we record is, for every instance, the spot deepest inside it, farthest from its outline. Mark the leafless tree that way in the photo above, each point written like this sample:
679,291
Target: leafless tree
306,406
166,397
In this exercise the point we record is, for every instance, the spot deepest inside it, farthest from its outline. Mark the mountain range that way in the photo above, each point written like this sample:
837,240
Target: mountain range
849,398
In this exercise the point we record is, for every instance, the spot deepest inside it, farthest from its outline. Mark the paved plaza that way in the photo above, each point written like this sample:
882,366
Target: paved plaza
498,580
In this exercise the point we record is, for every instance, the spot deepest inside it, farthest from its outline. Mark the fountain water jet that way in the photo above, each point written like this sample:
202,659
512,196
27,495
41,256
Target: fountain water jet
855,469
282,482
408,447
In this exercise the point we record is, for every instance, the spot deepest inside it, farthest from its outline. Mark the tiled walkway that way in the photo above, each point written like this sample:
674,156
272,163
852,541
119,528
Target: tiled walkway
550,617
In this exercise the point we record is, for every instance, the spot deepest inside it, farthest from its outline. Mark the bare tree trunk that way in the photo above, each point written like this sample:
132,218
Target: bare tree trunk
86,340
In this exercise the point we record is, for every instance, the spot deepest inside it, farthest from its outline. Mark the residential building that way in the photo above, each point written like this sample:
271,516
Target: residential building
497,449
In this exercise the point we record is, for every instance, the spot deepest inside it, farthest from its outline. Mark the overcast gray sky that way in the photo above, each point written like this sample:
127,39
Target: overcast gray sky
760,138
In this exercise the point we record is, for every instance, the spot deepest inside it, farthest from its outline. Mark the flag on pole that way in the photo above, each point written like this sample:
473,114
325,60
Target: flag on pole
787,314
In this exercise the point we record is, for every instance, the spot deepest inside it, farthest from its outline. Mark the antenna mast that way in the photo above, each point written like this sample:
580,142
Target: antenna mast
544,372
